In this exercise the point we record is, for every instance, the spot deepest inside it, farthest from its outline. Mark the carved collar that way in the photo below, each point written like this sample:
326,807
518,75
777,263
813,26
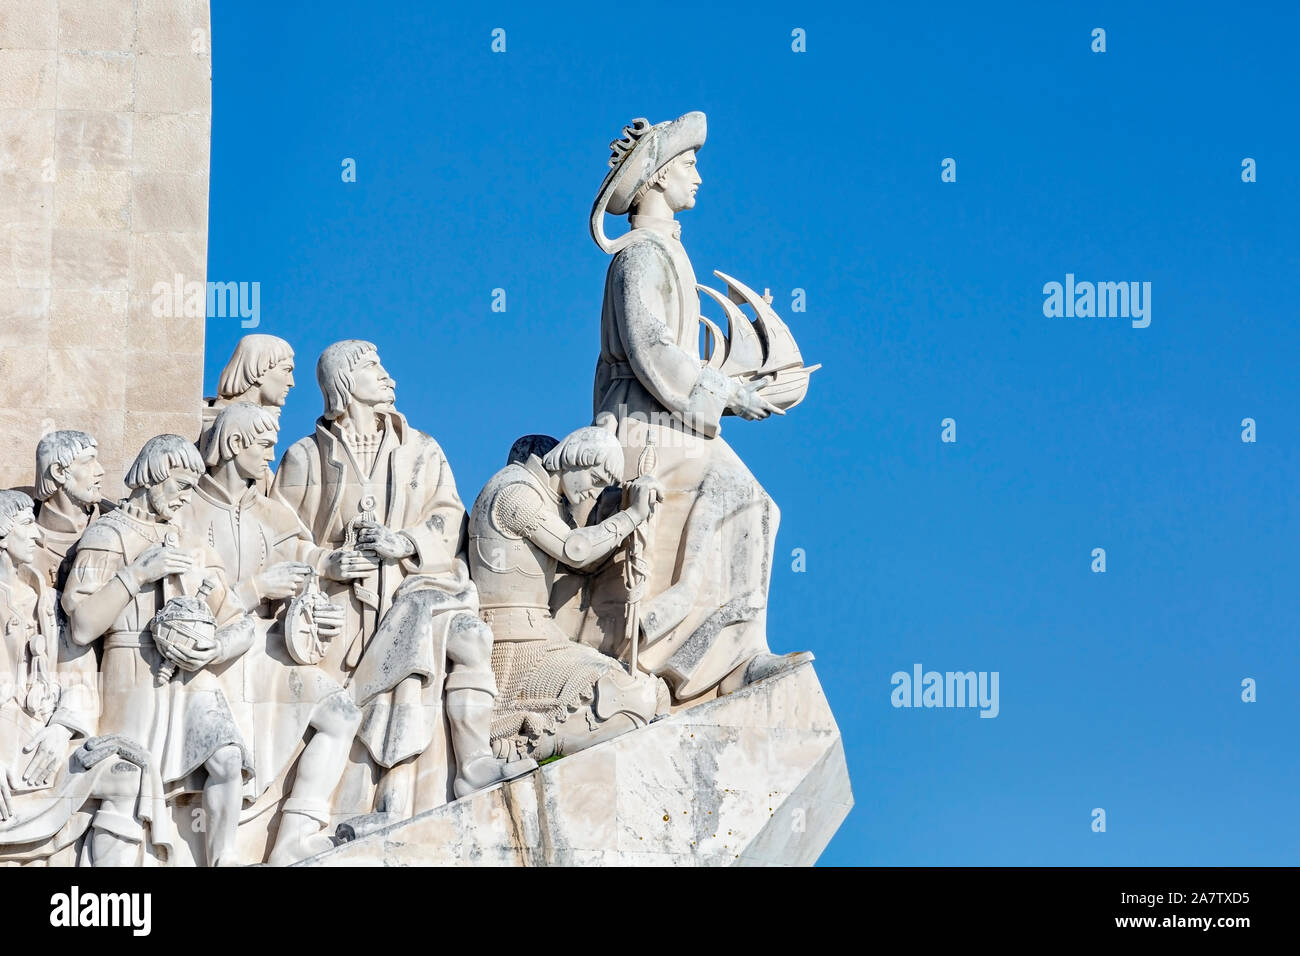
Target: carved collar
214,493
60,522
533,465
393,421
142,518
668,228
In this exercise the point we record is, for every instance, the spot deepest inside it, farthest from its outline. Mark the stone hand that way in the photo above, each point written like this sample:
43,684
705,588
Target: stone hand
282,580
645,492
160,561
191,658
329,620
749,404
347,565
51,746
375,538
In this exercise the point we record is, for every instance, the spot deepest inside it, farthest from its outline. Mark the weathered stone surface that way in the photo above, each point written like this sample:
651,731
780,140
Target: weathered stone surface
105,113
421,654
755,778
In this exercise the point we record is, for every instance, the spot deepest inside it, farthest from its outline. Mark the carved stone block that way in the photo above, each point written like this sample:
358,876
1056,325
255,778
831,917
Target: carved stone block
756,778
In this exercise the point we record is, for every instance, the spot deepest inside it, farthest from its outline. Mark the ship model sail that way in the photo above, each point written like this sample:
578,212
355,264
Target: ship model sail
761,350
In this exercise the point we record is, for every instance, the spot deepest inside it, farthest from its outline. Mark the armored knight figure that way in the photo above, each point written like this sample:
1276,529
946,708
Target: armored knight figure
260,372
381,495
707,554
556,697
278,701
69,486
169,624
51,791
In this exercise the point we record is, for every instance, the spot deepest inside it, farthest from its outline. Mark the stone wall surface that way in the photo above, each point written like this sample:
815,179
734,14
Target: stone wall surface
756,778
105,119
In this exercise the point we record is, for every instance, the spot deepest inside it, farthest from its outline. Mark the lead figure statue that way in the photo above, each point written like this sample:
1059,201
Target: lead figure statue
556,696
705,559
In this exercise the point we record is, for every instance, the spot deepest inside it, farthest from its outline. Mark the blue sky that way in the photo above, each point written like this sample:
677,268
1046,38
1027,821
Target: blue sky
1120,690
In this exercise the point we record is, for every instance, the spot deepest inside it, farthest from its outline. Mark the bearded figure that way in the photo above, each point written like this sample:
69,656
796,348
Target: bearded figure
380,497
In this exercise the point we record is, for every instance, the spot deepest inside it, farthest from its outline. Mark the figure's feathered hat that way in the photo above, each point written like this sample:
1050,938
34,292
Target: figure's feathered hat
634,160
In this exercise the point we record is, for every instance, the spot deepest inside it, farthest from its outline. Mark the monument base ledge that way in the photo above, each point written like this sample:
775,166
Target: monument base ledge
754,778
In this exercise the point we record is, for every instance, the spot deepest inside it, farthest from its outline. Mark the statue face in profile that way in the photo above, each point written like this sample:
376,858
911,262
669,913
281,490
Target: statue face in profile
252,460
580,484
21,541
273,390
682,182
82,480
371,384
169,496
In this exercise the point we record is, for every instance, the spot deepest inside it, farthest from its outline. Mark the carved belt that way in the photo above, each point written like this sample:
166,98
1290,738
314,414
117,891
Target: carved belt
534,617
127,638
619,370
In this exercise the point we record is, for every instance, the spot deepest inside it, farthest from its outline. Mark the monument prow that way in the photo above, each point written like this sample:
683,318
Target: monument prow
756,778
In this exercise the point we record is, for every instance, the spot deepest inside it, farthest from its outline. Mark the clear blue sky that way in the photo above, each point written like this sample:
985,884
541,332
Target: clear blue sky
924,300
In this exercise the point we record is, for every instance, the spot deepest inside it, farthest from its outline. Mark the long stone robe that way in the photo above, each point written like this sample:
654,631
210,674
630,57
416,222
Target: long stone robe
189,718
49,820
78,666
414,492
271,696
710,542
59,536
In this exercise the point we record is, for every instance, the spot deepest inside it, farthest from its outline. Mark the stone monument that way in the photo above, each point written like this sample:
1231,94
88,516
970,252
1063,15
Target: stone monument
206,663
105,117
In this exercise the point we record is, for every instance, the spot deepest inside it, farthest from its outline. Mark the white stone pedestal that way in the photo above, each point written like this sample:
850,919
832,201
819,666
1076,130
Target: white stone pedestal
754,778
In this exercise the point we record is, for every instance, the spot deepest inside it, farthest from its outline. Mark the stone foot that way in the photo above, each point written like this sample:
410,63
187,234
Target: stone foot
486,771
760,667
301,849
300,837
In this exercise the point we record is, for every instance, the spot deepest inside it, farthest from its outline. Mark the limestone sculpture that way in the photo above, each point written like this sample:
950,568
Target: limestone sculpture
69,486
51,794
698,622
381,495
133,572
238,666
278,703
556,696
260,372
